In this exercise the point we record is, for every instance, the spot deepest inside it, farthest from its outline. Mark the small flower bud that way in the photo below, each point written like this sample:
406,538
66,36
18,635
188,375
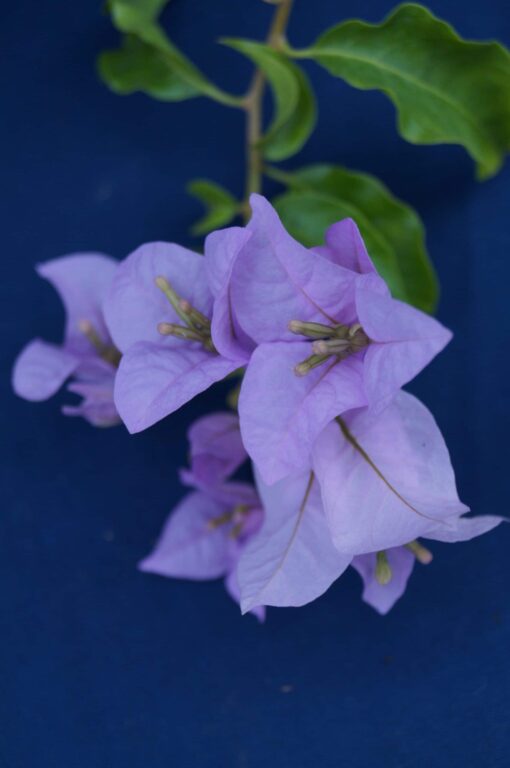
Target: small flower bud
85,327
107,352
179,331
310,330
162,283
174,299
320,347
195,318
383,572
332,347
421,553
311,362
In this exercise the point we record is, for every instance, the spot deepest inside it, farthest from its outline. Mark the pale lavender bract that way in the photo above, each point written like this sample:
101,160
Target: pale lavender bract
86,353
393,484
292,560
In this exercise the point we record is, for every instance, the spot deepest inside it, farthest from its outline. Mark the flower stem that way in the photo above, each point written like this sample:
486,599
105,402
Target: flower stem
253,105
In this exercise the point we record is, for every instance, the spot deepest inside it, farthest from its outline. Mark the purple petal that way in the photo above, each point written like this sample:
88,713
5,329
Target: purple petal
232,587
97,414
465,528
221,251
191,546
41,369
229,493
401,488
345,247
82,281
382,597
216,447
153,381
282,414
276,280
405,340
97,407
292,560
95,369
135,305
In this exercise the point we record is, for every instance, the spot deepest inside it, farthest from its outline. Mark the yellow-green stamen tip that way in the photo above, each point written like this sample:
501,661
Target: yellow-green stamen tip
180,332
421,553
301,369
162,283
85,327
295,326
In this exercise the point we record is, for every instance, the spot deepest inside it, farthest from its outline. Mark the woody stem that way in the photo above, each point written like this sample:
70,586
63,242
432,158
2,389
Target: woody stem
253,104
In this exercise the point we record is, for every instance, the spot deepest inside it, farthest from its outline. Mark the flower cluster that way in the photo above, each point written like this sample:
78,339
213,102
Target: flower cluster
349,470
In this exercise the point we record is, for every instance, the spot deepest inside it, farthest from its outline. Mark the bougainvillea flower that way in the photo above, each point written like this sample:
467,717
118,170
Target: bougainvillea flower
158,312
383,591
328,335
87,353
387,479
207,532
378,482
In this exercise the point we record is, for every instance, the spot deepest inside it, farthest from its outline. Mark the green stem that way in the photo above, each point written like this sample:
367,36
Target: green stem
253,105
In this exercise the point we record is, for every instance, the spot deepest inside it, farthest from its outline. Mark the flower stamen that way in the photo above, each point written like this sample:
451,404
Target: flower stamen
197,326
219,520
309,364
193,316
311,330
339,341
107,352
236,516
179,331
421,553
383,572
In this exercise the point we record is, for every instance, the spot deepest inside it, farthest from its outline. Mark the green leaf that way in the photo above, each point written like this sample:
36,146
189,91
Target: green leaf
137,66
149,62
295,113
319,195
221,207
140,18
132,15
446,90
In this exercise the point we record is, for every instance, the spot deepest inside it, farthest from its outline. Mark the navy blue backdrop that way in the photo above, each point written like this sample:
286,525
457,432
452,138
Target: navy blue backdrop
106,667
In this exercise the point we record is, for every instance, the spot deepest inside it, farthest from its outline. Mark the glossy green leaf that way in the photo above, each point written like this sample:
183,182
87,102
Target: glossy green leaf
294,103
137,66
221,207
148,61
446,90
319,195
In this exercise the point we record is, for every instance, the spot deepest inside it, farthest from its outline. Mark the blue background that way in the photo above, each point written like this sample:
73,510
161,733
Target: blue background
104,666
